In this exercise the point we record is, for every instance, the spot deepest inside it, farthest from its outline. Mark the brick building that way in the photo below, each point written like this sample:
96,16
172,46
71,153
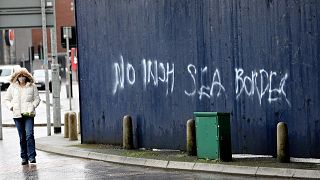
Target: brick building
64,17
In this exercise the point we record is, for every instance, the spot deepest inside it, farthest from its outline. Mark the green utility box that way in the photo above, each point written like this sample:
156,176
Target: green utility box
213,135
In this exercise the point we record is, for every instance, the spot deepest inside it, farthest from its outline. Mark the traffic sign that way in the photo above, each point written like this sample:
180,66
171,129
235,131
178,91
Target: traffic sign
11,37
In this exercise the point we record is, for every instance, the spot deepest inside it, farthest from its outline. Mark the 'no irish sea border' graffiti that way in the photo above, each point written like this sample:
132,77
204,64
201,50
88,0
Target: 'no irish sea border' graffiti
258,83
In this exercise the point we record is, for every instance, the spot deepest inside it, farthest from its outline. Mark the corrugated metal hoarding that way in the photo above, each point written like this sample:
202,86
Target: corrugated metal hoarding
161,60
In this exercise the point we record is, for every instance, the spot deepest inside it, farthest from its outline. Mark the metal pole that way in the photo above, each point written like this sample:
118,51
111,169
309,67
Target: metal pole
55,78
23,61
68,31
45,62
1,137
5,50
30,59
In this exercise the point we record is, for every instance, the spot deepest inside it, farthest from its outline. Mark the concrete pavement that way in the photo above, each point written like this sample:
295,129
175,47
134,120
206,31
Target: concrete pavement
51,166
58,144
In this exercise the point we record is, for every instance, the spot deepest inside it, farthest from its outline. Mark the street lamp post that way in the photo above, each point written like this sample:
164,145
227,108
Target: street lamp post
55,78
0,117
67,34
45,62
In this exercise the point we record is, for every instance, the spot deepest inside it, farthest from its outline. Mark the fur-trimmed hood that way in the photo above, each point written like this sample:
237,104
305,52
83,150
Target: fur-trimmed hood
24,72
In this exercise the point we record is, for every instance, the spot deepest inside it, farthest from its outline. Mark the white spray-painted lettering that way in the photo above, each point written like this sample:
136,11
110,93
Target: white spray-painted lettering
193,78
249,85
216,82
163,70
204,90
131,74
153,73
119,75
151,70
259,82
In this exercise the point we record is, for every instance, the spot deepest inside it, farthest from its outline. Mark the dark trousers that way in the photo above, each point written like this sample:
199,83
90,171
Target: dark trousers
26,134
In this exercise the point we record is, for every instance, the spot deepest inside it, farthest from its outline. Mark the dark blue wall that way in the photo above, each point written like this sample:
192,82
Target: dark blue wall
161,60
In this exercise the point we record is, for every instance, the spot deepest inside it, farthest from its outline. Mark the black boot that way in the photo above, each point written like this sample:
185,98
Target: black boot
33,160
24,162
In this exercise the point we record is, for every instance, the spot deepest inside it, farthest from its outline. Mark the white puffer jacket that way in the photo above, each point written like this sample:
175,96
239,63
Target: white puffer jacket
22,99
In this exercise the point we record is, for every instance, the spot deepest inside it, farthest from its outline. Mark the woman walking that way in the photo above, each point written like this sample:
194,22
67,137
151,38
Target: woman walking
22,98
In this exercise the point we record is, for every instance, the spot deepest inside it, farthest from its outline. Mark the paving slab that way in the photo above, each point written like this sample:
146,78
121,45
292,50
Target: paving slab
208,167
180,165
114,158
96,156
276,172
156,163
245,170
311,174
134,161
